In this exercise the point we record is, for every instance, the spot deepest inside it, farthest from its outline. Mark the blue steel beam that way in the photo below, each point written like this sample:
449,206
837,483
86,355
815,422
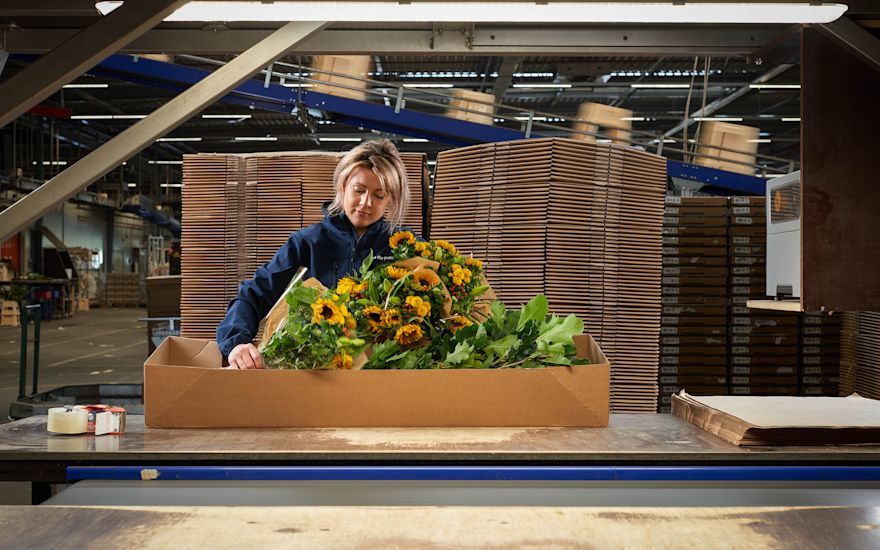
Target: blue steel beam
481,473
716,179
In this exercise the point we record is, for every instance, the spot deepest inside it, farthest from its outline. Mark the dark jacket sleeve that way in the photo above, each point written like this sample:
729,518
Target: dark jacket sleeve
257,296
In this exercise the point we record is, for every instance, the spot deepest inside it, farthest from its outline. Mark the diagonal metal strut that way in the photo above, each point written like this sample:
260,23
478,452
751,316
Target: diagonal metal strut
161,121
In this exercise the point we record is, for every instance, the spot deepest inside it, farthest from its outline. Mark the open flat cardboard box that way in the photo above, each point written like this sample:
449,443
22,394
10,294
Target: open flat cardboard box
185,387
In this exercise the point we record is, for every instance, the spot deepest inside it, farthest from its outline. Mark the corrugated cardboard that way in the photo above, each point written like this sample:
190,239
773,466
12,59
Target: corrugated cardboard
472,101
593,116
723,142
184,387
357,66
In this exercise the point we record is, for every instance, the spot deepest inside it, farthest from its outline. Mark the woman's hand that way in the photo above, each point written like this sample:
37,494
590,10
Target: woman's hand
245,356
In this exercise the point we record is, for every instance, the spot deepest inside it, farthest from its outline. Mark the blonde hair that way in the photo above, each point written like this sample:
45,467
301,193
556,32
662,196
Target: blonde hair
383,158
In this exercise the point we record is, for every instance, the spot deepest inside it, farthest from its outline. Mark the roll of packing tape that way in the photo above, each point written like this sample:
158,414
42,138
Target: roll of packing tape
68,420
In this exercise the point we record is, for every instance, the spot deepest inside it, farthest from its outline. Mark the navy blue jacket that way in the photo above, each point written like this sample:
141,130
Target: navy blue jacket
330,250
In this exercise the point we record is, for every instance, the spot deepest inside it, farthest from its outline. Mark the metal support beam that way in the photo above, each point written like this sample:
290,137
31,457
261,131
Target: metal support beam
157,124
81,52
488,39
724,101
505,76
862,43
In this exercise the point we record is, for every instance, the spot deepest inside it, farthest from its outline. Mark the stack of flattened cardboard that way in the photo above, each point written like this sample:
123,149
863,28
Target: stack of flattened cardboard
579,222
239,209
820,358
764,344
694,340
860,354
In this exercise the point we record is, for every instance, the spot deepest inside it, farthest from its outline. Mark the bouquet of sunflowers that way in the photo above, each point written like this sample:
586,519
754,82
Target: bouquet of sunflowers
431,308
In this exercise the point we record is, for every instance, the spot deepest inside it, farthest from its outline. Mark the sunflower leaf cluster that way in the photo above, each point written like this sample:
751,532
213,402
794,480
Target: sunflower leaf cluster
418,313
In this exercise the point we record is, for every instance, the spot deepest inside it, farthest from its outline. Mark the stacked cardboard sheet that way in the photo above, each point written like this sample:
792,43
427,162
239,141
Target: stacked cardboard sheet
694,341
239,209
860,354
579,222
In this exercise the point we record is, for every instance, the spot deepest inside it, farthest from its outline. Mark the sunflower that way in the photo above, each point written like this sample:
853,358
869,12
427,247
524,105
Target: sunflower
447,246
421,247
459,322
473,262
373,315
396,272
326,310
408,334
391,317
360,288
419,306
425,279
346,285
341,361
426,254
404,236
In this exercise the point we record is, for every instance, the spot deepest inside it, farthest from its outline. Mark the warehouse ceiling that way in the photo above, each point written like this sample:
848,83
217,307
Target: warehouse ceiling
598,63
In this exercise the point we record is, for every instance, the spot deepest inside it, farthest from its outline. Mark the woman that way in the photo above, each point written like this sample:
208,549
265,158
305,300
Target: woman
370,181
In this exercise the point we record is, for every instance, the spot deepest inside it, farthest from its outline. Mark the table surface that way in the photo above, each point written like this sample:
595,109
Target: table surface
653,439
440,527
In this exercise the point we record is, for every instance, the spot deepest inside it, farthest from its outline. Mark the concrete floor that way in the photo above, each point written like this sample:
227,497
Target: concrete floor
95,346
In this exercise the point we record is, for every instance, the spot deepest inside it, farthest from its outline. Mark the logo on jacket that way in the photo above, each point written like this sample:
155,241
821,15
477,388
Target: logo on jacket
384,258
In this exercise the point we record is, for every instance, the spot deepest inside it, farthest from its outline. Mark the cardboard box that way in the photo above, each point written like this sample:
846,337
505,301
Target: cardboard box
184,387
472,101
725,145
357,66
593,117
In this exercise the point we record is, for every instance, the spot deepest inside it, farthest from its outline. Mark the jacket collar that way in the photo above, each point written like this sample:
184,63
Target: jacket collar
341,223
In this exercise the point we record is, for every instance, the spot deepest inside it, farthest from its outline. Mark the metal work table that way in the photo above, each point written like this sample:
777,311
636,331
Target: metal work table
661,451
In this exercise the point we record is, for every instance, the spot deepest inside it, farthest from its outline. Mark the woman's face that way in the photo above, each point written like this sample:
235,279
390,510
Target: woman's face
364,200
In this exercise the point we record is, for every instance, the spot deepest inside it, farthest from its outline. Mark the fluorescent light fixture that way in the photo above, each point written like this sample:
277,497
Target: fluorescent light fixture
170,185
329,139
77,86
791,119
534,118
179,139
255,138
770,175
415,140
763,140
107,117
227,116
427,85
659,86
128,117
633,118
549,86
132,184
603,141
165,162
295,84
52,162
719,119
664,141
775,86
431,162
505,12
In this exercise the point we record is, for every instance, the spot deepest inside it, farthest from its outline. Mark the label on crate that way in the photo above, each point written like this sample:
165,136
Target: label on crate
812,350
742,280
673,200
669,360
741,390
742,249
812,330
668,320
670,250
668,370
671,290
670,240
668,330
672,271
739,380
740,300
812,370
671,210
741,290
739,349
671,260
671,350
744,260
742,339
816,390
740,310
812,360
671,280
812,320
742,321
742,360
742,220
812,341
669,300
740,200
741,240
742,270
741,330
671,340
744,210
669,220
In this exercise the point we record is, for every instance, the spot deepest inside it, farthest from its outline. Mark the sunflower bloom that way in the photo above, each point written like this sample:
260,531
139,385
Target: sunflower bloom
459,322
473,262
419,306
447,246
425,279
391,317
341,361
373,315
360,288
346,285
426,253
404,236
396,272
421,247
326,310
408,334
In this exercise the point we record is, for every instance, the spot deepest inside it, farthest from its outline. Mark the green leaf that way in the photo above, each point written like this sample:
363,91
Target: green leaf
563,332
502,347
477,290
535,310
462,351
557,360
367,263
498,312
386,286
